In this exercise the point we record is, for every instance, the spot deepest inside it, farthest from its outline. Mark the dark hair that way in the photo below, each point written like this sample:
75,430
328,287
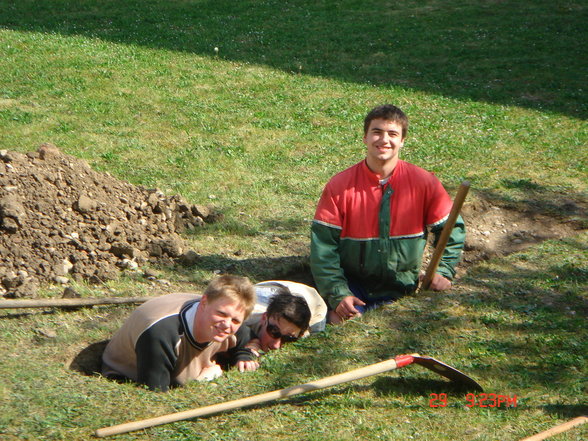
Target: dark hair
389,113
289,307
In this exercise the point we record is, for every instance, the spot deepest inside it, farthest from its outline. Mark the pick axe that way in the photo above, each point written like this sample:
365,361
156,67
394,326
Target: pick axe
445,233
400,361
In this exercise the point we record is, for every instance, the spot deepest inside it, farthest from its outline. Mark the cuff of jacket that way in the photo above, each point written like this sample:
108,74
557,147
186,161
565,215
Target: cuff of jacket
446,271
244,354
337,294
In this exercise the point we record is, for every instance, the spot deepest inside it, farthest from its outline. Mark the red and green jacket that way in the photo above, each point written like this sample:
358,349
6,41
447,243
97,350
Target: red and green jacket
375,234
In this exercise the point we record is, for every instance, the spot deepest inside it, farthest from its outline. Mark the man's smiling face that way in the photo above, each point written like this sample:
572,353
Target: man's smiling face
220,319
383,140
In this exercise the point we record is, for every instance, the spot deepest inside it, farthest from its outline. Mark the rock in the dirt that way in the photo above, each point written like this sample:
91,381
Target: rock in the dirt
123,250
12,213
189,258
63,267
70,293
47,150
18,285
84,204
61,280
172,247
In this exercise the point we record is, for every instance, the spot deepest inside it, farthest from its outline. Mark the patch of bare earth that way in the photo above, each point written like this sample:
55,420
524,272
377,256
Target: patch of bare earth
494,230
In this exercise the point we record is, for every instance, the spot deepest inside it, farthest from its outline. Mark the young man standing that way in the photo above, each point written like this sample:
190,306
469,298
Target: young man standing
170,340
370,227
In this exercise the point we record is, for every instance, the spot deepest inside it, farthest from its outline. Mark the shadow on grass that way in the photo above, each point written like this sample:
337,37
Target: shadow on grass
89,360
529,54
387,385
532,198
294,268
567,411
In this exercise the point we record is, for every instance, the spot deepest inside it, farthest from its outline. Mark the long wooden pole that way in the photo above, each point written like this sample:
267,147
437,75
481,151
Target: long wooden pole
355,374
67,303
445,233
557,429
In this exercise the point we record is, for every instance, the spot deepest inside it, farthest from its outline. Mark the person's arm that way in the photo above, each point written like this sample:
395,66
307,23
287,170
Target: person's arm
241,356
156,356
325,263
453,249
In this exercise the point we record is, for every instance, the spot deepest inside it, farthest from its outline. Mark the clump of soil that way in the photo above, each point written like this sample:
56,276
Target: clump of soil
60,218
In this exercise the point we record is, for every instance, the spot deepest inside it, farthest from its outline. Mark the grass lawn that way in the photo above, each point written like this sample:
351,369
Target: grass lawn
495,93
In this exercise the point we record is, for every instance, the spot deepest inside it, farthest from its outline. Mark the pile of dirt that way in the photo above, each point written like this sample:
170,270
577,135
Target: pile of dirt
60,218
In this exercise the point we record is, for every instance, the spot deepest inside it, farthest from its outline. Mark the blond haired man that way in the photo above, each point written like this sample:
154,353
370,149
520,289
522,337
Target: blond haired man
172,339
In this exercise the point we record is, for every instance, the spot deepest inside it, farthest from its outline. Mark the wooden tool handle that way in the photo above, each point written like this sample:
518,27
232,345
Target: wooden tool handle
557,429
445,233
356,374
58,303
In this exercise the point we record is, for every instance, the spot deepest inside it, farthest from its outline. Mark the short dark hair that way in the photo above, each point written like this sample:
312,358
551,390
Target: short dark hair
388,112
290,307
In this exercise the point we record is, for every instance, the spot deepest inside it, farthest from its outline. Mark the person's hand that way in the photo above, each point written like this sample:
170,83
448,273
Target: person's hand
440,283
210,373
249,365
346,308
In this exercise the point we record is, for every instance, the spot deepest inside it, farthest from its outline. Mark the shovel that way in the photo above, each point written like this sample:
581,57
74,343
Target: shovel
400,361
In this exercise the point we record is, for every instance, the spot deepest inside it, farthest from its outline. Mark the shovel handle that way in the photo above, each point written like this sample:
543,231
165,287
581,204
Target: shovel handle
60,303
378,368
558,429
445,233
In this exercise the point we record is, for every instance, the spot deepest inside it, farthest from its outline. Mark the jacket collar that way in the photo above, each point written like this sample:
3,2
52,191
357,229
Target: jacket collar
187,314
374,177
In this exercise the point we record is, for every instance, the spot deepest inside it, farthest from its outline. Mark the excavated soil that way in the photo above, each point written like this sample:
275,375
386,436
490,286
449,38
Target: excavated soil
59,219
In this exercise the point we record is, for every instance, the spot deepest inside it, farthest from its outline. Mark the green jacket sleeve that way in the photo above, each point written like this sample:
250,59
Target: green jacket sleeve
453,249
325,264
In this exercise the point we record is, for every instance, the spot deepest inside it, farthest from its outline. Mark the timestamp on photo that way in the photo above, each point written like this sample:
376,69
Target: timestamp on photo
476,400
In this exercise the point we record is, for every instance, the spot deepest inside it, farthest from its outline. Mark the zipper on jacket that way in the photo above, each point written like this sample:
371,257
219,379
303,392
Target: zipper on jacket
362,246
384,218
384,233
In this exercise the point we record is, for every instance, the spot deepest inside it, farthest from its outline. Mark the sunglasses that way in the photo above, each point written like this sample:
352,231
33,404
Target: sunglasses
274,332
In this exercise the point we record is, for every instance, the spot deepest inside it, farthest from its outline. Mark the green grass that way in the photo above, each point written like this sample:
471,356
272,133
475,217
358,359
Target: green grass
495,93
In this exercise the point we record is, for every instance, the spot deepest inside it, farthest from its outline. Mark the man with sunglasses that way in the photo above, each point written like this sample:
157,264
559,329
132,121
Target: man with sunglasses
285,311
